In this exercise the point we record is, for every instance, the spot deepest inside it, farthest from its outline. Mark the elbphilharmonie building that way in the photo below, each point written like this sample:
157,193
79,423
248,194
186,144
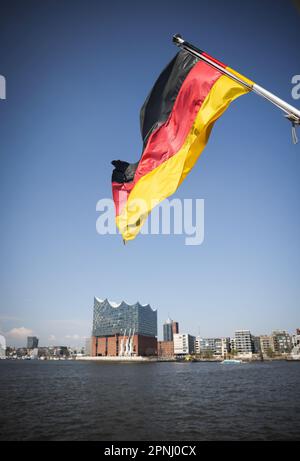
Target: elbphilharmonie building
121,329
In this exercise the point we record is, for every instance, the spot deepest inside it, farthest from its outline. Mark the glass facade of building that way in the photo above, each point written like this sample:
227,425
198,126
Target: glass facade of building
213,345
32,342
111,319
168,330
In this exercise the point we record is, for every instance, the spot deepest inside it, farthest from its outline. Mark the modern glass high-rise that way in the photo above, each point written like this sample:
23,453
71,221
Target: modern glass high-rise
170,328
111,318
32,342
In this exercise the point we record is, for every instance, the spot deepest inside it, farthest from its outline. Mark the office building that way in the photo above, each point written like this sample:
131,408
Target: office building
34,354
256,344
208,346
32,342
243,342
184,344
215,346
266,344
169,329
121,329
296,338
282,341
232,344
60,351
295,353
226,346
197,344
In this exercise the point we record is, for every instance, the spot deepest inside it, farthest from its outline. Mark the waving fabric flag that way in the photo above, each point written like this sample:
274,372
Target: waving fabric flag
176,120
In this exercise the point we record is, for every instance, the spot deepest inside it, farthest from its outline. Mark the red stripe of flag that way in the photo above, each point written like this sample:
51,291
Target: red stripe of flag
167,140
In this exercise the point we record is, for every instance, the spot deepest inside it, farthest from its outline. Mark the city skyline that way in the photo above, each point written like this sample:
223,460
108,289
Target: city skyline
58,137
79,342
126,343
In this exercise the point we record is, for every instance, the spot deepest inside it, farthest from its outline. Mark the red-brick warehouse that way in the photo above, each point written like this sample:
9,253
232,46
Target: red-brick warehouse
165,349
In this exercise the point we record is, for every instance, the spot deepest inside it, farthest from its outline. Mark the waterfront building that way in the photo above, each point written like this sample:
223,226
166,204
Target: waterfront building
282,341
208,346
165,349
44,352
197,344
60,351
219,347
32,342
184,344
243,342
121,329
232,344
295,353
226,347
296,338
266,344
34,354
51,352
256,344
21,352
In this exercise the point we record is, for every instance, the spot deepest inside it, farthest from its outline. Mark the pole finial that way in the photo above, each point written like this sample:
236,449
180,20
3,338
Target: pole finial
177,39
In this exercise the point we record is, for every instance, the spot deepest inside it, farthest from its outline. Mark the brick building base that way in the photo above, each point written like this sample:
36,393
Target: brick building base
110,345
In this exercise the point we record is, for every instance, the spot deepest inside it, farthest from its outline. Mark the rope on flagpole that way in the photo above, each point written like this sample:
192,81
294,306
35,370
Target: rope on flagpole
295,124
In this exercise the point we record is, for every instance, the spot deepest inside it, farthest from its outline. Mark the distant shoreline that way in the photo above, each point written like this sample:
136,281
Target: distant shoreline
162,360
141,359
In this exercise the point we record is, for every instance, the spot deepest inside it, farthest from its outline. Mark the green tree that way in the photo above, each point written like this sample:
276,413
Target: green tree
270,353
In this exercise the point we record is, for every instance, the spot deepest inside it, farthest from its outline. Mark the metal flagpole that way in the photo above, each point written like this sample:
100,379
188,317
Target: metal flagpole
291,112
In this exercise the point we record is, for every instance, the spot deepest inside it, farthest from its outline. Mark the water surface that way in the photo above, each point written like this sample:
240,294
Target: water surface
69,400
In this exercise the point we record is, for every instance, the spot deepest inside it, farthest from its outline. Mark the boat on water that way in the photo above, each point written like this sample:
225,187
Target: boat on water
231,361
190,358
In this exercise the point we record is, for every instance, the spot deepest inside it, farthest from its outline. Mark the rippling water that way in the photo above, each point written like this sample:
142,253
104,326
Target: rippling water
154,401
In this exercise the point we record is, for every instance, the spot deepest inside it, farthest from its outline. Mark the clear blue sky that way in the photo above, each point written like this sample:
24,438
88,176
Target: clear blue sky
77,74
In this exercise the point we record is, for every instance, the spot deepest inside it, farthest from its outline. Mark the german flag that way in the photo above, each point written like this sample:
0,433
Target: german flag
176,120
